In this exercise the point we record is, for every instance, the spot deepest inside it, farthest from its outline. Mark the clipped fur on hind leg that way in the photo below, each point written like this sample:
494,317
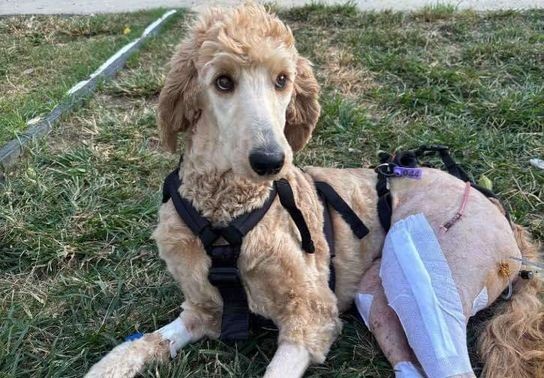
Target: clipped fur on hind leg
384,324
512,343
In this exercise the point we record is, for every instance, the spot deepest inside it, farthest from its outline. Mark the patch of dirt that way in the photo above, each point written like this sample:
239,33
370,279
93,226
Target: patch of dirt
342,72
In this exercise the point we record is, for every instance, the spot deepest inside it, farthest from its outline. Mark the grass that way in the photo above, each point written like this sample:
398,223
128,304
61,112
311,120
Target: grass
79,271
41,57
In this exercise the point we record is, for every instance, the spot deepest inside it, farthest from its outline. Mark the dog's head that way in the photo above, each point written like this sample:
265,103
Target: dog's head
239,87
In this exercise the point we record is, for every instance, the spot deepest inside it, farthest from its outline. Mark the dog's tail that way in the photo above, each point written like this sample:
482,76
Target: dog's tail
512,343
130,357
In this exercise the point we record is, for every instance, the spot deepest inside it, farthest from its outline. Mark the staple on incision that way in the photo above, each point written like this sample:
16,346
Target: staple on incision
505,271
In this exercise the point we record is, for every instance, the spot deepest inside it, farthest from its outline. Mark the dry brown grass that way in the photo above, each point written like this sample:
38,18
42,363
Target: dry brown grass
342,73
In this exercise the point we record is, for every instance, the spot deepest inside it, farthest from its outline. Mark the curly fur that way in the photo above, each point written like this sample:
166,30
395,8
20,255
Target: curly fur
282,282
512,343
241,33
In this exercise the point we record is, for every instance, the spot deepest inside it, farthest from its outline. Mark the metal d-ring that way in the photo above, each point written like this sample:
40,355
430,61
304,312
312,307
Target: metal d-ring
387,172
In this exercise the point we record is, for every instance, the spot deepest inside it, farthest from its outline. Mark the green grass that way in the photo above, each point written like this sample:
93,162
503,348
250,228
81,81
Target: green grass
79,271
41,57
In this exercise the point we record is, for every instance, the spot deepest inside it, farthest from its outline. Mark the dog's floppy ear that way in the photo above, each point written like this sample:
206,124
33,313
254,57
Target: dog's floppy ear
303,111
178,102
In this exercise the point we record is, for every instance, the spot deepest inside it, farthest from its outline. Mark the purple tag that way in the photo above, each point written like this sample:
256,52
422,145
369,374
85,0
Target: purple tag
414,173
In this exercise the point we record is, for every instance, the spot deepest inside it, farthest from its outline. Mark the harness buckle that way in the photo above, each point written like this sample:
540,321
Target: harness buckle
224,276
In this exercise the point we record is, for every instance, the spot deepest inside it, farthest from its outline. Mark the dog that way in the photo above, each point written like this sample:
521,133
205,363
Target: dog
245,101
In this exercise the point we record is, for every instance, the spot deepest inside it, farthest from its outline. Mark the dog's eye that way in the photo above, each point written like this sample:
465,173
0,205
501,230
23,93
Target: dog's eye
224,83
281,81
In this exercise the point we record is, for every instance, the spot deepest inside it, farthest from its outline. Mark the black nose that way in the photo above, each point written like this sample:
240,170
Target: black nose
266,162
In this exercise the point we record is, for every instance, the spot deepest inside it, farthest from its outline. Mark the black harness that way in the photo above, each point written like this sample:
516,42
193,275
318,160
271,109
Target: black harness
410,159
223,244
330,198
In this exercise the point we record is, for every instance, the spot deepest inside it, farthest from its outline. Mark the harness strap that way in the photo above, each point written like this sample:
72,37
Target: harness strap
329,196
449,163
287,199
244,223
410,159
385,211
225,276
223,273
186,211
347,213
328,230
384,206
200,226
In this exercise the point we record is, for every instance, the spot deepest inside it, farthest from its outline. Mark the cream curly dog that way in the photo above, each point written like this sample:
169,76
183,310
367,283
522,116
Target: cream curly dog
237,88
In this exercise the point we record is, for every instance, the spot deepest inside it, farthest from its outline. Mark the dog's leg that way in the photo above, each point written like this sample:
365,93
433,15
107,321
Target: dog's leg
289,361
384,324
419,286
308,325
130,357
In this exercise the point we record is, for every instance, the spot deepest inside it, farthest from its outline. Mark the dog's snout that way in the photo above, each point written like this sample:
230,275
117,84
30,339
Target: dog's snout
266,162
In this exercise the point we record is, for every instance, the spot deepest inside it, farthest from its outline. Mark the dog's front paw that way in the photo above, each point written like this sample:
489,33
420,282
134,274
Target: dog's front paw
130,357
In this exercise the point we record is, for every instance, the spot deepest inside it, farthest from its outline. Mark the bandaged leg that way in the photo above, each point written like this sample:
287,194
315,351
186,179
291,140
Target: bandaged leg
407,369
177,335
419,286
384,324
363,302
480,302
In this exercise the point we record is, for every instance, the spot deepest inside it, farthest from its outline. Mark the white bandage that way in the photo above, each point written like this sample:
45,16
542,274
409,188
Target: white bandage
177,334
419,286
364,303
480,302
406,369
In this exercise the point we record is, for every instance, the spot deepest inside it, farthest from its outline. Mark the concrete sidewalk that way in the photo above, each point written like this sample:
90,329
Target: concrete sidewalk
109,6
